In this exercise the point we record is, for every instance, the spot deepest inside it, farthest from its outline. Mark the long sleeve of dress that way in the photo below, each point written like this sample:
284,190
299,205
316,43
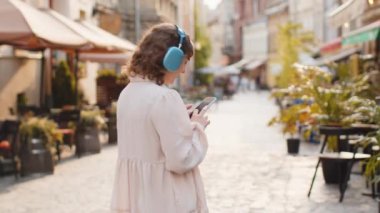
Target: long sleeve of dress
183,142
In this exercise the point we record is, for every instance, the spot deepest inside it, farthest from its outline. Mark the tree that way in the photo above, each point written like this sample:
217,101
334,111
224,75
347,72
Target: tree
291,41
63,86
202,43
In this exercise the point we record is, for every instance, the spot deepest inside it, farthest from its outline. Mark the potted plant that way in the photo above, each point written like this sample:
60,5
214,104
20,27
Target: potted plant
38,141
372,166
289,117
63,86
87,132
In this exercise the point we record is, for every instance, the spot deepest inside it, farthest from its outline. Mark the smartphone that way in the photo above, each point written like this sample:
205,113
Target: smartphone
204,105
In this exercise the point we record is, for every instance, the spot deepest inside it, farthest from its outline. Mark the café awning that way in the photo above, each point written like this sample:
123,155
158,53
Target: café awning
241,63
24,26
331,46
254,64
337,57
346,12
101,40
118,58
115,41
370,32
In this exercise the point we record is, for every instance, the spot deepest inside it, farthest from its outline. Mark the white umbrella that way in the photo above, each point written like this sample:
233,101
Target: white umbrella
24,26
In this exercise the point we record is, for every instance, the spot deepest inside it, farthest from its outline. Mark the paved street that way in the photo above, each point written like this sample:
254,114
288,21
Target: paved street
246,170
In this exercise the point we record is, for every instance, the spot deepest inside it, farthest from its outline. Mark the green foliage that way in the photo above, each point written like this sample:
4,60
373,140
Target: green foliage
21,100
291,41
106,73
202,43
204,78
289,117
342,71
323,102
332,103
373,138
92,119
41,128
122,79
63,86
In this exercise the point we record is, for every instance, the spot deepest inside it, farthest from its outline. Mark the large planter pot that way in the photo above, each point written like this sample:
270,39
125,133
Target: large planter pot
334,170
35,157
87,139
293,145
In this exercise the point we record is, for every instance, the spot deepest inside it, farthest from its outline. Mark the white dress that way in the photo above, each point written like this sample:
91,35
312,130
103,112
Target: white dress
159,150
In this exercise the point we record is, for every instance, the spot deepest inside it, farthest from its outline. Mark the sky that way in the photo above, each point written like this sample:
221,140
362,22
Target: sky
211,3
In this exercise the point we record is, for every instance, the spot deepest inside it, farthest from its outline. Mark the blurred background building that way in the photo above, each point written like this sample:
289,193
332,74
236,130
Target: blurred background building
243,36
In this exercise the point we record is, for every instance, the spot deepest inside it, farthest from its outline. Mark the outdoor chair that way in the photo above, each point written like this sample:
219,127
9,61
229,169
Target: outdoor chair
9,148
63,119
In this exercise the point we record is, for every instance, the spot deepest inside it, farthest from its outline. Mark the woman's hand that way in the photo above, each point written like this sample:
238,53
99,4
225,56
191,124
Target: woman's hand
189,108
200,118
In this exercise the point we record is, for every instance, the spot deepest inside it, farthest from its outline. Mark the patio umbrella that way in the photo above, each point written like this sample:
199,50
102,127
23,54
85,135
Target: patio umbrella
24,26
115,41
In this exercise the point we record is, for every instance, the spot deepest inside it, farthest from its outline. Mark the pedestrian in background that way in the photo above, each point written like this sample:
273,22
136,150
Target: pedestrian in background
159,145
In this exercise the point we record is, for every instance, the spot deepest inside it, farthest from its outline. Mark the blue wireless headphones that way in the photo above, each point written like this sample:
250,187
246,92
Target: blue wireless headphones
174,56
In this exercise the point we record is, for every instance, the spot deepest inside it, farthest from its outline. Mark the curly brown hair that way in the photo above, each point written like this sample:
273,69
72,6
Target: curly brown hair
147,60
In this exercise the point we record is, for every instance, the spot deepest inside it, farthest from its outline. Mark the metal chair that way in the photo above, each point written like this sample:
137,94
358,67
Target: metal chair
9,145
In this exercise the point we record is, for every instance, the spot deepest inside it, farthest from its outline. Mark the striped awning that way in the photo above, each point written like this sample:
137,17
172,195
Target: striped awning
331,46
370,32
342,55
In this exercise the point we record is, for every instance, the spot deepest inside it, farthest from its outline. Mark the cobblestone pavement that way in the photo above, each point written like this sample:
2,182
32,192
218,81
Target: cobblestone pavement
246,170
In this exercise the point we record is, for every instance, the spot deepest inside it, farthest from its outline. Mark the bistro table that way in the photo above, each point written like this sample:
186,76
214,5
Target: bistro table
340,156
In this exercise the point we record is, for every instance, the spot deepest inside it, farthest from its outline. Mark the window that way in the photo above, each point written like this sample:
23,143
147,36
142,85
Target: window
255,8
82,15
242,8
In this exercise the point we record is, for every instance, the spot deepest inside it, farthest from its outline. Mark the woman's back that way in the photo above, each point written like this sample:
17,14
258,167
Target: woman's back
137,138
157,159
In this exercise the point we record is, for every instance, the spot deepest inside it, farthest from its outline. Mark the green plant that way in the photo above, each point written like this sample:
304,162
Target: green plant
92,119
373,139
63,86
41,128
302,91
21,100
289,117
373,164
206,79
330,101
324,102
106,73
291,41
202,43
122,79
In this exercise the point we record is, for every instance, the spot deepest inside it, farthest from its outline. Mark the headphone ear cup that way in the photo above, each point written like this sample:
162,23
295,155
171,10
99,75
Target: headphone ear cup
173,59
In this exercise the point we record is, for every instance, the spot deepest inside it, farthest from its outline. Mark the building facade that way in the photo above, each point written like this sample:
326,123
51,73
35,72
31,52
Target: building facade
360,25
185,19
221,30
247,12
149,13
277,12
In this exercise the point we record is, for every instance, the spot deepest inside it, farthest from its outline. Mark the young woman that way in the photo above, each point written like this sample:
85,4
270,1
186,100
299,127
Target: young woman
159,145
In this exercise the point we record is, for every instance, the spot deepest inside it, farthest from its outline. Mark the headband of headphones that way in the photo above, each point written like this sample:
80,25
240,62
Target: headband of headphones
181,34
